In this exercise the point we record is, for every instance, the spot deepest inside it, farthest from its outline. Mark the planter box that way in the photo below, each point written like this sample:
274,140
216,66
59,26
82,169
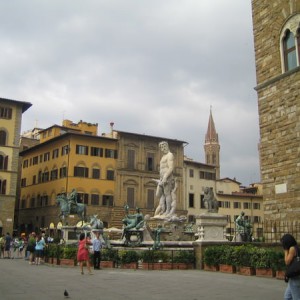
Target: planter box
67,262
249,271
107,264
133,265
263,272
211,268
227,269
183,266
280,274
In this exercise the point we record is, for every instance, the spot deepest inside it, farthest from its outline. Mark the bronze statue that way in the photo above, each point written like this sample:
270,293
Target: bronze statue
132,222
68,205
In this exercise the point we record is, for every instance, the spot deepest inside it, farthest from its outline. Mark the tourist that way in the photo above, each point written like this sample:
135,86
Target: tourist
97,245
83,252
39,249
31,247
2,246
8,240
291,249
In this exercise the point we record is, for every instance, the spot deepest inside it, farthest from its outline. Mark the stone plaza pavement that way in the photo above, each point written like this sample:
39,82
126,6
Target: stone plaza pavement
19,280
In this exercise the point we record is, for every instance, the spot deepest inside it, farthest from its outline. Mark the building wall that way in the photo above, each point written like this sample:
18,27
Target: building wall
47,213
139,177
12,127
232,201
279,110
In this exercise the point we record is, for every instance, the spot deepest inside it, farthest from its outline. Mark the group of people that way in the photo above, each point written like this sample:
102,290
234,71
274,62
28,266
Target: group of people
11,247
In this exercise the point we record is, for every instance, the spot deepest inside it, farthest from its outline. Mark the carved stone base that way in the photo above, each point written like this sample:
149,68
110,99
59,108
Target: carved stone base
210,227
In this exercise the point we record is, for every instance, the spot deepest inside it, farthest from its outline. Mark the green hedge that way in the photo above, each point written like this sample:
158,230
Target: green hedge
245,255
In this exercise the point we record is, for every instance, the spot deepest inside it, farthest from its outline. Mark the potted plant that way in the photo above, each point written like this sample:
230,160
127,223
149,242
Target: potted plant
129,259
278,264
211,258
109,257
69,256
184,260
155,260
262,260
242,259
226,262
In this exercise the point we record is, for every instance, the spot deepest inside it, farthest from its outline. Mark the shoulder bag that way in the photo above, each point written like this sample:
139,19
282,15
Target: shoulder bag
293,269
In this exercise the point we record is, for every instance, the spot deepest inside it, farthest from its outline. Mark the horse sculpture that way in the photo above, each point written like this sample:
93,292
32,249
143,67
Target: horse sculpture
66,209
95,223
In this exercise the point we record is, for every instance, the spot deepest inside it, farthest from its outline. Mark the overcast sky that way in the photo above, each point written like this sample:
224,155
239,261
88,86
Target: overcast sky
152,67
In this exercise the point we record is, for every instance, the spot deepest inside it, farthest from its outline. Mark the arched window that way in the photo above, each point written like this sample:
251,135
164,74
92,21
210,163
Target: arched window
2,187
289,48
3,162
2,138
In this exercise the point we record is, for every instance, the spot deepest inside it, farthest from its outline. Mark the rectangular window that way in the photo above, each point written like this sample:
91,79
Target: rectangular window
95,151
81,172
83,150
224,204
54,174
65,150
150,198
108,200
25,163
207,175
256,219
131,159
96,173
202,202
63,172
247,205
55,153
46,177
191,200
191,172
46,156
5,112
23,182
150,162
130,197
83,198
35,160
110,153
34,179
110,175
40,177
94,199
256,205
237,205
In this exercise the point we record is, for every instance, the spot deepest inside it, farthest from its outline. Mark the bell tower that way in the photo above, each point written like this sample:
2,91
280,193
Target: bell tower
212,146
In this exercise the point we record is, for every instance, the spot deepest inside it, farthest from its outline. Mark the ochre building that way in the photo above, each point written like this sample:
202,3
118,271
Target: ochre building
10,127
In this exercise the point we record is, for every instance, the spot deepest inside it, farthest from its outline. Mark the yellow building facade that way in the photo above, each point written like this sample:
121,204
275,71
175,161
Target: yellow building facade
10,126
68,157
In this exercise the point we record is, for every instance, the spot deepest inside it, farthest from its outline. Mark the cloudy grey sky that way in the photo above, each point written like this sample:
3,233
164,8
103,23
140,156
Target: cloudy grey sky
153,67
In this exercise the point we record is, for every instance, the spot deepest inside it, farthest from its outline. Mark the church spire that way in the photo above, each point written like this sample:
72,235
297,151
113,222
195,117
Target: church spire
212,146
211,134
